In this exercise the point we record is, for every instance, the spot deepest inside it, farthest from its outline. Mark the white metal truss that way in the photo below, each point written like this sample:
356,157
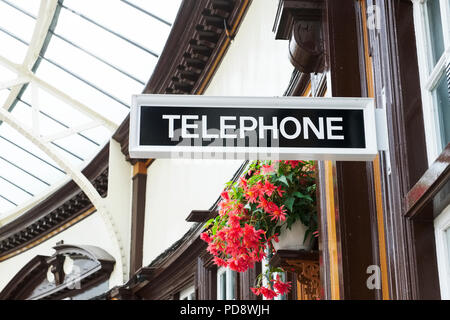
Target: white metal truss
76,175
46,12
24,75
14,82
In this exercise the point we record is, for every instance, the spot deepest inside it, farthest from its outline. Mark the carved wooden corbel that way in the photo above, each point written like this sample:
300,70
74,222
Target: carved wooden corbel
305,264
300,22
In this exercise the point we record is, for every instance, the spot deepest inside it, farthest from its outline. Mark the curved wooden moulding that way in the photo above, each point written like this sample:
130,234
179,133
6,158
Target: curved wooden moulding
51,216
70,271
301,22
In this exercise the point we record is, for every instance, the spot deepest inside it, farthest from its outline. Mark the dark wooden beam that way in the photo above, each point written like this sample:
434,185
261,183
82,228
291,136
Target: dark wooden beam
139,195
201,215
354,194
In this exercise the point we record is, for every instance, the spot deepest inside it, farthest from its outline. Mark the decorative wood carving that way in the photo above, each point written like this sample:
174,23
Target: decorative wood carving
91,265
300,22
305,264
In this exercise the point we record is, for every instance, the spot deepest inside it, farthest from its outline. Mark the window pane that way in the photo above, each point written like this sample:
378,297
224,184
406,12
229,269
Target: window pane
231,285
223,286
436,32
443,104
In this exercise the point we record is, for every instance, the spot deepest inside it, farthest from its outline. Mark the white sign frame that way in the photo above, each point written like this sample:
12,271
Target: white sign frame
339,154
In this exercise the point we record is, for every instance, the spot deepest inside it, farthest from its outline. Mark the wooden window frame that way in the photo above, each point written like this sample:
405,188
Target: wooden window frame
441,224
429,74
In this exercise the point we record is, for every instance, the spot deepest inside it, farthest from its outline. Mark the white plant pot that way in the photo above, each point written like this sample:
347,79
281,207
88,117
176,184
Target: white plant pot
292,239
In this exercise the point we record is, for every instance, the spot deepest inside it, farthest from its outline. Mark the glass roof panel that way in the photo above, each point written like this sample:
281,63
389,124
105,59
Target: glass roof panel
138,23
6,74
86,94
24,183
13,192
167,12
32,6
98,134
10,18
79,146
12,49
8,133
45,172
105,45
92,70
57,109
99,53
5,206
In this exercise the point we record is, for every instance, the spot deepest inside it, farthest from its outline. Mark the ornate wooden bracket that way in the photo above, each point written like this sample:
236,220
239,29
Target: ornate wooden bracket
300,22
306,265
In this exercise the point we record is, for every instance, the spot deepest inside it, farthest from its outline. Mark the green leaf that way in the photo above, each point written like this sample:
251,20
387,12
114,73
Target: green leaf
289,203
208,223
302,196
283,179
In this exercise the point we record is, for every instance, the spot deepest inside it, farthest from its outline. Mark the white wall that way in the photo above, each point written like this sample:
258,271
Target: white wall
255,65
174,189
119,198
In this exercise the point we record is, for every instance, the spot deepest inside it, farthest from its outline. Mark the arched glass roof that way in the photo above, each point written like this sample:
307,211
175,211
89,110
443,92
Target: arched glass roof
67,72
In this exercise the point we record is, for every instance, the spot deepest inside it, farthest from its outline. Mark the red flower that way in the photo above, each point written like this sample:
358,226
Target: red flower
243,183
277,213
225,195
280,191
269,188
254,193
282,287
293,164
220,262
268,293
266,169
256,291
243,235
205,237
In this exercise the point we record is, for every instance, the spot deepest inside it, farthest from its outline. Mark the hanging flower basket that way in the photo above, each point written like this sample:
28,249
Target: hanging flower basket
292,239
273,203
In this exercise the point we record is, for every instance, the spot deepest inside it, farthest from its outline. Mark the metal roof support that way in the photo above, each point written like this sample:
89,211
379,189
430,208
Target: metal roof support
21,71
12,83
46,12
76,175
59,122
125,73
